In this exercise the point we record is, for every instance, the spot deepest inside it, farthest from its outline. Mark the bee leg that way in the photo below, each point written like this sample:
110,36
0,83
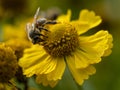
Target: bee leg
37,39
51,22
41,28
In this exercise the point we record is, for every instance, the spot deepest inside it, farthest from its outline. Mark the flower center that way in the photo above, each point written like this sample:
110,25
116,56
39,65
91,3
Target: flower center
62,40
8,63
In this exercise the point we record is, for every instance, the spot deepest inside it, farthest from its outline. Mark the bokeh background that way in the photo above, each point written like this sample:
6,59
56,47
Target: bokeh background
15,13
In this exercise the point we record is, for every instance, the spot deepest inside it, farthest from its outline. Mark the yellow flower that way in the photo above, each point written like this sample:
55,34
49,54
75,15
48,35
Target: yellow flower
10,31
8,63
18,45
66,45
15,31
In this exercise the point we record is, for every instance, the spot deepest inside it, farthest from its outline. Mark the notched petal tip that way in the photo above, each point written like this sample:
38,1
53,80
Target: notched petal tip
79,74
42,79
58,72
108,50
90,18
90,70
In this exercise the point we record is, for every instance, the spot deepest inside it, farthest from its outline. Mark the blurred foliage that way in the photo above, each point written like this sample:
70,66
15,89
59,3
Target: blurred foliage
107,76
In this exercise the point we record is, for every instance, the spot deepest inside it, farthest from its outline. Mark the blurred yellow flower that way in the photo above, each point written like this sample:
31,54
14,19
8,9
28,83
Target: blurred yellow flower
8,67
15,31
66,45
10,31
8,63
18,45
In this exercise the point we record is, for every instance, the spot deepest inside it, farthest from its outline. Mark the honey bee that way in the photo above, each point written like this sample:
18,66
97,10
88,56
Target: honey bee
34,29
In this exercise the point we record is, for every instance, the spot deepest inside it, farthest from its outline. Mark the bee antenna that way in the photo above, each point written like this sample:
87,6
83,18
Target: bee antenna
36,14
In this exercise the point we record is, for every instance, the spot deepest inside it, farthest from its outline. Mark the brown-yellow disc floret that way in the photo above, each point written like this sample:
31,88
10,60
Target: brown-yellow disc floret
62,40
8,63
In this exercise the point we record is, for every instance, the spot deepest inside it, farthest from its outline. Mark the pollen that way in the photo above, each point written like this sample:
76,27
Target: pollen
62,40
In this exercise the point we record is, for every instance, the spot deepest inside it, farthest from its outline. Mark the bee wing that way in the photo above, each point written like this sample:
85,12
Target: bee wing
36,14
29,28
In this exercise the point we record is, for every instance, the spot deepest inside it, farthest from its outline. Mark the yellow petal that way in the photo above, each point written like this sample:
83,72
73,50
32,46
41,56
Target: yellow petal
65,18
43,79
47,66
92,48
53,77
110,45
42,67
98,43
53,83
84,58
30,54
89,18
81,27
36,61
57,73
79,74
